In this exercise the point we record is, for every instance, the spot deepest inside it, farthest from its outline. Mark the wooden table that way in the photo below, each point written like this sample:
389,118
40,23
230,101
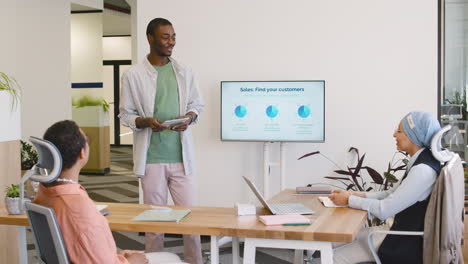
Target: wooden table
329,225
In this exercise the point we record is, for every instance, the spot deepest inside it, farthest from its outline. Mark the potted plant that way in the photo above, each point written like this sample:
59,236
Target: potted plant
28,156
10,85
12,200
92,114
353,178
90,101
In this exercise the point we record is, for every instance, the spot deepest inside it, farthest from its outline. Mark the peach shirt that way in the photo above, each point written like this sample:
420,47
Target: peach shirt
85,231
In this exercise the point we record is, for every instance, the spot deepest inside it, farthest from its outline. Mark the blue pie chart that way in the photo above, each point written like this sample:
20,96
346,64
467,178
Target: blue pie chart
303,111
240,111
272,111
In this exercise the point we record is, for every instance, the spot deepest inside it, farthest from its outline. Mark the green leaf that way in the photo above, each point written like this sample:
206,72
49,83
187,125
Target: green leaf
29,156
13,191
9,84
91,101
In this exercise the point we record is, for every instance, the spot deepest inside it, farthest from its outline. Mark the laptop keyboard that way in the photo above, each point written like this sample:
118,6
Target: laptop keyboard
294,208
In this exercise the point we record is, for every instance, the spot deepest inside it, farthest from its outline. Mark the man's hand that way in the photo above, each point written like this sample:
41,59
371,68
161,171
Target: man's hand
182,126
136,258
151,122
340,197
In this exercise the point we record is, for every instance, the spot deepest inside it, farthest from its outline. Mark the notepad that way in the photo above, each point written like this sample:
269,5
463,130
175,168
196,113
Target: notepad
162,216
329,203
283,219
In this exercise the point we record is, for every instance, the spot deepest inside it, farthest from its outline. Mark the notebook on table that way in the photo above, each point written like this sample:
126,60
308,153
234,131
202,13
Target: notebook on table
279,209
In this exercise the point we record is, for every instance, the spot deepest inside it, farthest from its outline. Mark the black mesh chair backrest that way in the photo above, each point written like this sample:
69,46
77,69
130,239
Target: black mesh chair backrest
43,235
48,238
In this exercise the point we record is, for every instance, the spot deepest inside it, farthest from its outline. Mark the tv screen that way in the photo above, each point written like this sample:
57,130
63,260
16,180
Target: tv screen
273,111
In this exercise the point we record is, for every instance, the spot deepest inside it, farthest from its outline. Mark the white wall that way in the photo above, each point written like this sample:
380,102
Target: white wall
36,51
9,120
378,58
96,4
117,48
86,52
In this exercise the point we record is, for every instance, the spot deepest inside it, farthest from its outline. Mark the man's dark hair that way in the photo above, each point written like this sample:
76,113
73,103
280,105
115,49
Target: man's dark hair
69,140
155,24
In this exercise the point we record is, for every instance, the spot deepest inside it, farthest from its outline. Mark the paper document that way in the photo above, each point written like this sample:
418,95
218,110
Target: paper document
162,216
101,207
329,203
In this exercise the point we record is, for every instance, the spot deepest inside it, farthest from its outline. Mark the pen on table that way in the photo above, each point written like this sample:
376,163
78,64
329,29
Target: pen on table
296,224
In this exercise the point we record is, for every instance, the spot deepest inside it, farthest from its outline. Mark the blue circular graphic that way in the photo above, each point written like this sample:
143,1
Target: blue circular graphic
272,111
240,111
303,111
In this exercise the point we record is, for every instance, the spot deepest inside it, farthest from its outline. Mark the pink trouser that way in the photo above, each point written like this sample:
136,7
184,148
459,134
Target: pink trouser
160,177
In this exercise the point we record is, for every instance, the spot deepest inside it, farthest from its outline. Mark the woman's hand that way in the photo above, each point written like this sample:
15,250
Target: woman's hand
340,197
360,194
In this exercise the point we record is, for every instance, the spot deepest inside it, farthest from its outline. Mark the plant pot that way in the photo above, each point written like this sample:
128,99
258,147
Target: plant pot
13,205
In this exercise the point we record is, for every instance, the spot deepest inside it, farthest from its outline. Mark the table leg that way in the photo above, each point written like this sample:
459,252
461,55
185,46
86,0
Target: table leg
325,248
235,250
249,251
326,255
214,250
298,256
22,245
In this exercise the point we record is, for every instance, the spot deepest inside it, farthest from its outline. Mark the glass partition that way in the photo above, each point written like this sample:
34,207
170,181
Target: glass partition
454,71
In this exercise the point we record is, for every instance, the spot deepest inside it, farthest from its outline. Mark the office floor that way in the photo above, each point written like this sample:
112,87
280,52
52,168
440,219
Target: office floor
121,186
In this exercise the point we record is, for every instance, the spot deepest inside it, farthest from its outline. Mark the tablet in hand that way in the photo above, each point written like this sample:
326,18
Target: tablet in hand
172,122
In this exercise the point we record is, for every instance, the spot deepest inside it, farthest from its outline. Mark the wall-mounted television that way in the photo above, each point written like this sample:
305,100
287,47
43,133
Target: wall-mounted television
273,111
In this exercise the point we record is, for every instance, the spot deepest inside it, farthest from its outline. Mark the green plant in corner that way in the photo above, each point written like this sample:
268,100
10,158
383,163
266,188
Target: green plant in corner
13,191
28,156
10,85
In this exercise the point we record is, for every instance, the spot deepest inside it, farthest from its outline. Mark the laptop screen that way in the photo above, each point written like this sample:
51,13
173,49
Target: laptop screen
256,192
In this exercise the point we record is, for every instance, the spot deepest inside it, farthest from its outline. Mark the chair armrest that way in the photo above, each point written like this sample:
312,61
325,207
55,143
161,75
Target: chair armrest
370,241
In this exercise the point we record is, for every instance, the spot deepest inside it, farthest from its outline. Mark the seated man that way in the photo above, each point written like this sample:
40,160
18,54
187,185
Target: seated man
85,231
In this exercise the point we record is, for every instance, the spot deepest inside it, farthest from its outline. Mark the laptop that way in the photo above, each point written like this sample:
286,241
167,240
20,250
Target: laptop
279,209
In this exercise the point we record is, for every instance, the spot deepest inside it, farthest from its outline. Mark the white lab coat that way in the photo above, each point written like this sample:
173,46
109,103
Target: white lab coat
137,100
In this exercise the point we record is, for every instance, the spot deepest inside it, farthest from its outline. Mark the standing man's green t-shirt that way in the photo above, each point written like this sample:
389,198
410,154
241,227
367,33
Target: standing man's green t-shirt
165,146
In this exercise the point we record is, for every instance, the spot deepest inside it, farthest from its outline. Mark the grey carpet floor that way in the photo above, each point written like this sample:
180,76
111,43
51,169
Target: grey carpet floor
121,186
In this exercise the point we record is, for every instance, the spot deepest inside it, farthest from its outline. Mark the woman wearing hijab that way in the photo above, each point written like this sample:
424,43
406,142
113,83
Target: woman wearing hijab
407,202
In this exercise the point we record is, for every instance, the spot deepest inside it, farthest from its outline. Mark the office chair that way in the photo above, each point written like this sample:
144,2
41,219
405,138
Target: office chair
50,246
451,179
48,240
47,168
